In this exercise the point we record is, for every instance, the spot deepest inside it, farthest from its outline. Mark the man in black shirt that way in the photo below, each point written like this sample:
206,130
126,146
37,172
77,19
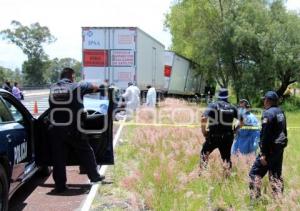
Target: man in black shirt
220,116
66,113
273,140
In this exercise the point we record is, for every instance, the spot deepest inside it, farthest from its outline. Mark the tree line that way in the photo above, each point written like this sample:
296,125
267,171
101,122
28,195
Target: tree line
251,46
38,69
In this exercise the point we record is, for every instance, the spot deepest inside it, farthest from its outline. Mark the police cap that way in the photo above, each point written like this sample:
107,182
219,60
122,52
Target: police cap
271,95
223,94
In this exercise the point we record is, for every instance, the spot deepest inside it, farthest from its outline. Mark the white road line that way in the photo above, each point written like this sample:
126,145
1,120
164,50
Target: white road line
36,94
90,198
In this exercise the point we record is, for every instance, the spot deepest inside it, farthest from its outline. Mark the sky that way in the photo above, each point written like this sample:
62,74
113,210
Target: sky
65,18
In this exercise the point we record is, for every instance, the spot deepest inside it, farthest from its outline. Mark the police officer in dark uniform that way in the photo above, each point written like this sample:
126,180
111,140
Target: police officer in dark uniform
66,113
220,116
273,140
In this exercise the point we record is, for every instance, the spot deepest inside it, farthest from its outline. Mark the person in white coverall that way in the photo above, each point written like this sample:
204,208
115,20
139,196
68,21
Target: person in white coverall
137,93
132,98
151,96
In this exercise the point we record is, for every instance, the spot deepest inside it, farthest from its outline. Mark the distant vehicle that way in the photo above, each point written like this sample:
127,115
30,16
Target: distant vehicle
121,55
24,144
181,77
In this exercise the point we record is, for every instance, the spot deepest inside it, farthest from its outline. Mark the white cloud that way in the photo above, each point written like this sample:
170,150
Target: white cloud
293,5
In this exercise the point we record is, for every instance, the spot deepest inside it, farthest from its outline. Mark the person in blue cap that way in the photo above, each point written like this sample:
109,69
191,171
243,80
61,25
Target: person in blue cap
219,115
273,140
247,132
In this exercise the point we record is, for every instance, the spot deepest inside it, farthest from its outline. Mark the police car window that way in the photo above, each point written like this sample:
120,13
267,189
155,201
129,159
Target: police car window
15,113
5,115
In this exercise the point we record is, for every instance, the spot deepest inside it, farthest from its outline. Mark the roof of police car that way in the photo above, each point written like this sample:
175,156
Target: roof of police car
4,91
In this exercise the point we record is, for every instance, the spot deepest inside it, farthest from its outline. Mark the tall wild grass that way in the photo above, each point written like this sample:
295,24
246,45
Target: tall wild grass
159,167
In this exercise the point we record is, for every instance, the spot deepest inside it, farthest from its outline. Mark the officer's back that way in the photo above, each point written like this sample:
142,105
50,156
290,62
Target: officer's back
221,115
273,128
66,101
66,113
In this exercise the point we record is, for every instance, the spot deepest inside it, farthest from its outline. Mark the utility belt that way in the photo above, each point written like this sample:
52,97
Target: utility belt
248,127
220,135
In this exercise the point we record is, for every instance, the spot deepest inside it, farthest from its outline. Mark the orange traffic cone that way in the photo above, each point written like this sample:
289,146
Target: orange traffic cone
35,108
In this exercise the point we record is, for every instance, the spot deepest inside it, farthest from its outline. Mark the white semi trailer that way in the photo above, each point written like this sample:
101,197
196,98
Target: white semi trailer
120,55
181,77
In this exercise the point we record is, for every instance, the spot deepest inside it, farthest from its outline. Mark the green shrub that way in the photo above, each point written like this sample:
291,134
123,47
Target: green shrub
291,104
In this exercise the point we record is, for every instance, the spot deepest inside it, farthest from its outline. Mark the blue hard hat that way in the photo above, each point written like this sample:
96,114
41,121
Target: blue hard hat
271,95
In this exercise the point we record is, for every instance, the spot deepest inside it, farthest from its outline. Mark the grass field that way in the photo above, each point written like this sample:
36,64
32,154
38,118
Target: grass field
159,166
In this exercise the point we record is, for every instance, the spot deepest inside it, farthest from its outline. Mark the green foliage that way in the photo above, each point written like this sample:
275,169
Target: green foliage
7,74
55,66
252,45
33,71
30,40
291,104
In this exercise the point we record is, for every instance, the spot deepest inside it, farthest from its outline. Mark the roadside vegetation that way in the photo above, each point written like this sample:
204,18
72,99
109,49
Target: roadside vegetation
157,169
251,46
38,69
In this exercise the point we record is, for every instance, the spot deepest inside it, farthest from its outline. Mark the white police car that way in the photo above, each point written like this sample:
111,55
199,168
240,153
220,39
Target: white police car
24,144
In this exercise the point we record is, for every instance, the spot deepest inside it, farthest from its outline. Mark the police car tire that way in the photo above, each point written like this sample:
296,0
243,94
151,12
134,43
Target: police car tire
3,189
45,171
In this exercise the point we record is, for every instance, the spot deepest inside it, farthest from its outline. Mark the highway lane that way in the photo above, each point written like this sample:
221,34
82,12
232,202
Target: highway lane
40,97
37,194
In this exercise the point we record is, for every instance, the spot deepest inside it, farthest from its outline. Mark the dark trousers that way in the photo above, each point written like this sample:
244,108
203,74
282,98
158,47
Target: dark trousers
62,141
274,167
221,141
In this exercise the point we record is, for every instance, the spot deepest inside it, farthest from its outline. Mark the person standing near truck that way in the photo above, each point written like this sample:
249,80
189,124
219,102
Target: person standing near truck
151,96
131,97
66,106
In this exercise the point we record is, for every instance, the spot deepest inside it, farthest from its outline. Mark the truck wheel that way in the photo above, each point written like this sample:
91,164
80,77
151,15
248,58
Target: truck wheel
45,171
3,189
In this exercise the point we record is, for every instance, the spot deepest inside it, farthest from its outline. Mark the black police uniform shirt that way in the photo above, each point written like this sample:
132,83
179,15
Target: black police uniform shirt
221,115
68,95
273,131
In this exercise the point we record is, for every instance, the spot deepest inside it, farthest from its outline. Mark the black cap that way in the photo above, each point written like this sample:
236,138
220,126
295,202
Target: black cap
271,95
223,94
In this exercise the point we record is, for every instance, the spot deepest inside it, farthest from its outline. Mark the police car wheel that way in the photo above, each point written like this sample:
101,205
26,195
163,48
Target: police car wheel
45,171
3,189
